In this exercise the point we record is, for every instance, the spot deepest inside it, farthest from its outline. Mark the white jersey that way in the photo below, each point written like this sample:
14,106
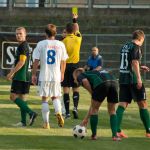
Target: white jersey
50,53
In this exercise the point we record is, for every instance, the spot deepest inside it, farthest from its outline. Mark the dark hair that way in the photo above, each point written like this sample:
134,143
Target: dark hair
50,30
69,27
138,34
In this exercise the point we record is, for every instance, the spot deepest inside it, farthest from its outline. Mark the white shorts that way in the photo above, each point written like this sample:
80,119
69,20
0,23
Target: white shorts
49,88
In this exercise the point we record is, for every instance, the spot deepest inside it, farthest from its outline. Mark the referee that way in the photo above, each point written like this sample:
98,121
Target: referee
72,43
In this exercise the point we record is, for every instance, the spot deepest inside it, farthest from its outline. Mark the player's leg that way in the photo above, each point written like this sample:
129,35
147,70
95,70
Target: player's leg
75,89
58,112
112,98
19,87
43,89
55,94
140,97
66,101
23,112
113,121
66,88
125,98
45,112
94,118
75,102
144,115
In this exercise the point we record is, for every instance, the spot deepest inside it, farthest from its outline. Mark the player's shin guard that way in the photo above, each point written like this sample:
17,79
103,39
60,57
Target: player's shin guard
119,113
57,105
66,102
113,124
144,114
45,112
75,99
93,123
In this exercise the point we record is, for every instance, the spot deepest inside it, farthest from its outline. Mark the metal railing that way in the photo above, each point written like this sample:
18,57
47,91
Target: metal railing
78,3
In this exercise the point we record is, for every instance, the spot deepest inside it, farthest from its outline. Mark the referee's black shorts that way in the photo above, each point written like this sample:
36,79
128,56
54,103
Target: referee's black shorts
108,89
68,77
20,87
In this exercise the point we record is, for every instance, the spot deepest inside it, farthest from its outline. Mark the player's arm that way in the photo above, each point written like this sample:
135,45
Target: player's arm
36,58
76,26
136,68
87,85
18,66
85,120
63,67
34,70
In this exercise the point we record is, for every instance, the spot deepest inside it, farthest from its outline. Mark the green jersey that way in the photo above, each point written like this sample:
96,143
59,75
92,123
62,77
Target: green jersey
96,78
22,74
128,52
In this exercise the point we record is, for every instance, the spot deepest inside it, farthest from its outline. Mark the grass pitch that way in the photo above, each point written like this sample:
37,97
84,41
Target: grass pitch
36,138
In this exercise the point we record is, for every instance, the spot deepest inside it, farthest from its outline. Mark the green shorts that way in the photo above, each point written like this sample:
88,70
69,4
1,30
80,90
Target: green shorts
127,92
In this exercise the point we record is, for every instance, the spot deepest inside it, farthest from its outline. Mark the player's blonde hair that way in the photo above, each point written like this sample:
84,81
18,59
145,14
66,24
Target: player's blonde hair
138,34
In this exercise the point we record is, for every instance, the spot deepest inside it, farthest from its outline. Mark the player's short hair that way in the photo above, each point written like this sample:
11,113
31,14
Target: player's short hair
50,30
70,28
138,34
21,28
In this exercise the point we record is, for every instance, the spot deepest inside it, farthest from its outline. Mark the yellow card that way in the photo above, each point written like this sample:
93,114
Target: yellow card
74,10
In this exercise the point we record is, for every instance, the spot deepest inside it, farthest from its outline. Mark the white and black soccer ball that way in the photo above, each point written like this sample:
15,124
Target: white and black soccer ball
79,131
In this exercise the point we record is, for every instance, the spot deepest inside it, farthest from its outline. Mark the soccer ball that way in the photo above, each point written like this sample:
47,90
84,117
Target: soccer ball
79,131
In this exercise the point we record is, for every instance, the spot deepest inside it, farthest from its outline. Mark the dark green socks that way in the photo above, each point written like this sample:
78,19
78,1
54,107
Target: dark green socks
23,105
113,124
119,113
144,114
94,123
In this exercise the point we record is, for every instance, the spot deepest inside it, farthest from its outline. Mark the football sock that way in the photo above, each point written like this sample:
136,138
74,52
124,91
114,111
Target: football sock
75,99
57,105
23,105
119,112
45,112
66,102
93,123
144,114
113,124
23,115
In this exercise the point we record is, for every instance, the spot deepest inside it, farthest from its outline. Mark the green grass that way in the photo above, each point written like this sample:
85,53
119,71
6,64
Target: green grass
36,138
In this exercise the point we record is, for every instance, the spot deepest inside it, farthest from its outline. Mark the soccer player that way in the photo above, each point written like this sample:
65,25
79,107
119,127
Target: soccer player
130,80
72,43
52,56
100,84
20,78
94,61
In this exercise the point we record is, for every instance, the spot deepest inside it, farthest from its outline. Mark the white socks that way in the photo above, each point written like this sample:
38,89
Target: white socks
57,105
45,112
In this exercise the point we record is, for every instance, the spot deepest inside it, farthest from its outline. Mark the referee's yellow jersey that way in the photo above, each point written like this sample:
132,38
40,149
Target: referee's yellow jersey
72,43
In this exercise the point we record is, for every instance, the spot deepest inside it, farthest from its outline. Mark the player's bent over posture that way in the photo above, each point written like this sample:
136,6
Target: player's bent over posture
20,78
131,85
100,85
52,56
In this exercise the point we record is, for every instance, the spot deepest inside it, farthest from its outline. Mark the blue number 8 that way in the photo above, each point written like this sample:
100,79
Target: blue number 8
51,56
